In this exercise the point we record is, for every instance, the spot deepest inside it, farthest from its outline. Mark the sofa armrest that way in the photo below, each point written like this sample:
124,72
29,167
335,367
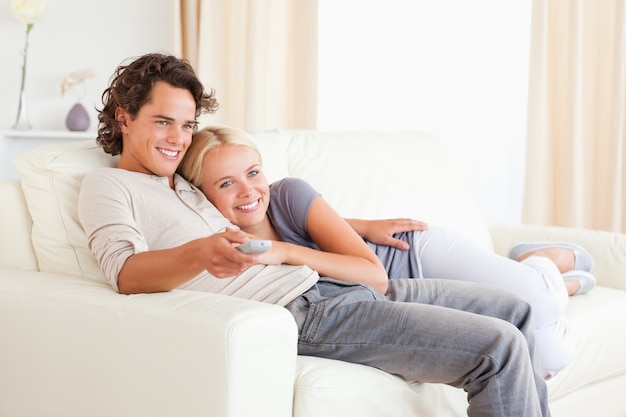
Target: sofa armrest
607,248
83,349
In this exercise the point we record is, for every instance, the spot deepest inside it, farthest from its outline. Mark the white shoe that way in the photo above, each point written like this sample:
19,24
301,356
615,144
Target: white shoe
584,261
585,279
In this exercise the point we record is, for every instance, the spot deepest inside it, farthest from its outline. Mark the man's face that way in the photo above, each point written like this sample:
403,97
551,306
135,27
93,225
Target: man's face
157,139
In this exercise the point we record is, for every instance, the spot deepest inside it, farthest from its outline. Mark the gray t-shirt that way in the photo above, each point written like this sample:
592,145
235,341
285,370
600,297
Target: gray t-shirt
125,212
290,201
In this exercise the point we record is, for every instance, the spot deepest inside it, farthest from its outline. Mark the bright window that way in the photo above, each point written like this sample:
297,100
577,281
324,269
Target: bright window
458,68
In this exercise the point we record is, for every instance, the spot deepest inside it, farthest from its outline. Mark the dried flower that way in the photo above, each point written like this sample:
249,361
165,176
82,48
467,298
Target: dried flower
27,10
75,78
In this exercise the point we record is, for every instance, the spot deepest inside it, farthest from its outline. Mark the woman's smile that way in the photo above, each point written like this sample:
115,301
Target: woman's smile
250,206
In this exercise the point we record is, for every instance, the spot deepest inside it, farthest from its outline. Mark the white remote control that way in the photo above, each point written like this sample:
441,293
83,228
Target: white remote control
255,246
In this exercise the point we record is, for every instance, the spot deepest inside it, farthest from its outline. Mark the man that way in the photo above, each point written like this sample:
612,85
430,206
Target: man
152,231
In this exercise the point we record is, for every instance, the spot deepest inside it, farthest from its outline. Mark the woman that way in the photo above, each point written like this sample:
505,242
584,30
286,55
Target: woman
226,165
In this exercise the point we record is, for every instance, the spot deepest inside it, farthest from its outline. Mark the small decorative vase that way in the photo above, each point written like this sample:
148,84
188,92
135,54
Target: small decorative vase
21,121
77,119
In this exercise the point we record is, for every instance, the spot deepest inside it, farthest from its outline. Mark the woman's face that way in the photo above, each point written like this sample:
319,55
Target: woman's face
232,178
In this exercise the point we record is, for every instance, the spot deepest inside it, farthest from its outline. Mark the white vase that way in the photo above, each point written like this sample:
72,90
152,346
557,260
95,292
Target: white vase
21,121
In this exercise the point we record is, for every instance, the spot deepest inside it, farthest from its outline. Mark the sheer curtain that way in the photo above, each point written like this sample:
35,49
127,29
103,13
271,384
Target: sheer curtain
259,55
576,156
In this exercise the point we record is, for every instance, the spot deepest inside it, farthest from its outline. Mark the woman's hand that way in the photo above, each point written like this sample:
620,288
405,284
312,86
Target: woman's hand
381,231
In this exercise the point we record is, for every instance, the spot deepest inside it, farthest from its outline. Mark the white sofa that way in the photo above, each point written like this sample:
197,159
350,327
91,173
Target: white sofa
72,347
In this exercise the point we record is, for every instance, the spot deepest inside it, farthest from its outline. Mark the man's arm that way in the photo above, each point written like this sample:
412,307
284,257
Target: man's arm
109,208
166,269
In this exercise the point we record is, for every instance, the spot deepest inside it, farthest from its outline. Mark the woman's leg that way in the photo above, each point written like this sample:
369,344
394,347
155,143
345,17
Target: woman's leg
476,337
446,255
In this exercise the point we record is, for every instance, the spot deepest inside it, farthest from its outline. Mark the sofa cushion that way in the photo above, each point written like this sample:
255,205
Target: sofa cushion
326,387
597,320
17,251
50,177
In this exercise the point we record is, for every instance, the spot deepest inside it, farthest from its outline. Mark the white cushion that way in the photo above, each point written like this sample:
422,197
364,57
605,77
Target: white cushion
273,146
50,177
15,222
595,318
326,387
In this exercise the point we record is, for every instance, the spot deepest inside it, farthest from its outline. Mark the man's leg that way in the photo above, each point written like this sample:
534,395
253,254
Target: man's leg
484,300
430,338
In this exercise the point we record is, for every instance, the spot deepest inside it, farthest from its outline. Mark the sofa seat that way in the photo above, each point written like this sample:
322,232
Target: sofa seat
592,324
597,320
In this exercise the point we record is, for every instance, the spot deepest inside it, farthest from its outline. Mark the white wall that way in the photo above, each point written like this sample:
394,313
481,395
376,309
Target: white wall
71,35
458,68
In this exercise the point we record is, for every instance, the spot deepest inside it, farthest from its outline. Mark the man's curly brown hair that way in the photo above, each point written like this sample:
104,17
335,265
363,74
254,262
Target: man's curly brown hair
131,88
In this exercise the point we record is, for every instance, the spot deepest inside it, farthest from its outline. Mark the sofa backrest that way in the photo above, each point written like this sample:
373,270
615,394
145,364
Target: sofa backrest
361,174
369,174
16,249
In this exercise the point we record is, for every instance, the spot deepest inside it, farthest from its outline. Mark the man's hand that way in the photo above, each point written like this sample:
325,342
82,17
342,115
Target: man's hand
222,260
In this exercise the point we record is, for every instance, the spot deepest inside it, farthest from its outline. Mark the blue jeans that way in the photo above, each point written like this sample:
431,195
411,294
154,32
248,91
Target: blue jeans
472,336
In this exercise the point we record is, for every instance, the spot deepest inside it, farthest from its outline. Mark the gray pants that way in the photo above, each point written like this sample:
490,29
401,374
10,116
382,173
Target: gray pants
473,336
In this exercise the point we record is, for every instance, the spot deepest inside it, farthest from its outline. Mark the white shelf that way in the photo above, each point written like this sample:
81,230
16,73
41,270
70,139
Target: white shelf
49,134
14,142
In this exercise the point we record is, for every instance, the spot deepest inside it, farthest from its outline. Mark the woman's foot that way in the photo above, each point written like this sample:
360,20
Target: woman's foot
572,286
566,256
578,282
573,261
563,258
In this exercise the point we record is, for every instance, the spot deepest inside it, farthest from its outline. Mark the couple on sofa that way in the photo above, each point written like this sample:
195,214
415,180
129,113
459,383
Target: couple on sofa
151,230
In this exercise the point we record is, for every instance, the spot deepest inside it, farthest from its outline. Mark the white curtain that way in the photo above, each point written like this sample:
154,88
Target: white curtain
576,156
259,55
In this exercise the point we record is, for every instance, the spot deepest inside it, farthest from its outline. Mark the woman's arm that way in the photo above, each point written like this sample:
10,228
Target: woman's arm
343,255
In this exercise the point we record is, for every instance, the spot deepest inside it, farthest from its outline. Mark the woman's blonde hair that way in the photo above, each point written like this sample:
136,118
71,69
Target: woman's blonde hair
207,139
